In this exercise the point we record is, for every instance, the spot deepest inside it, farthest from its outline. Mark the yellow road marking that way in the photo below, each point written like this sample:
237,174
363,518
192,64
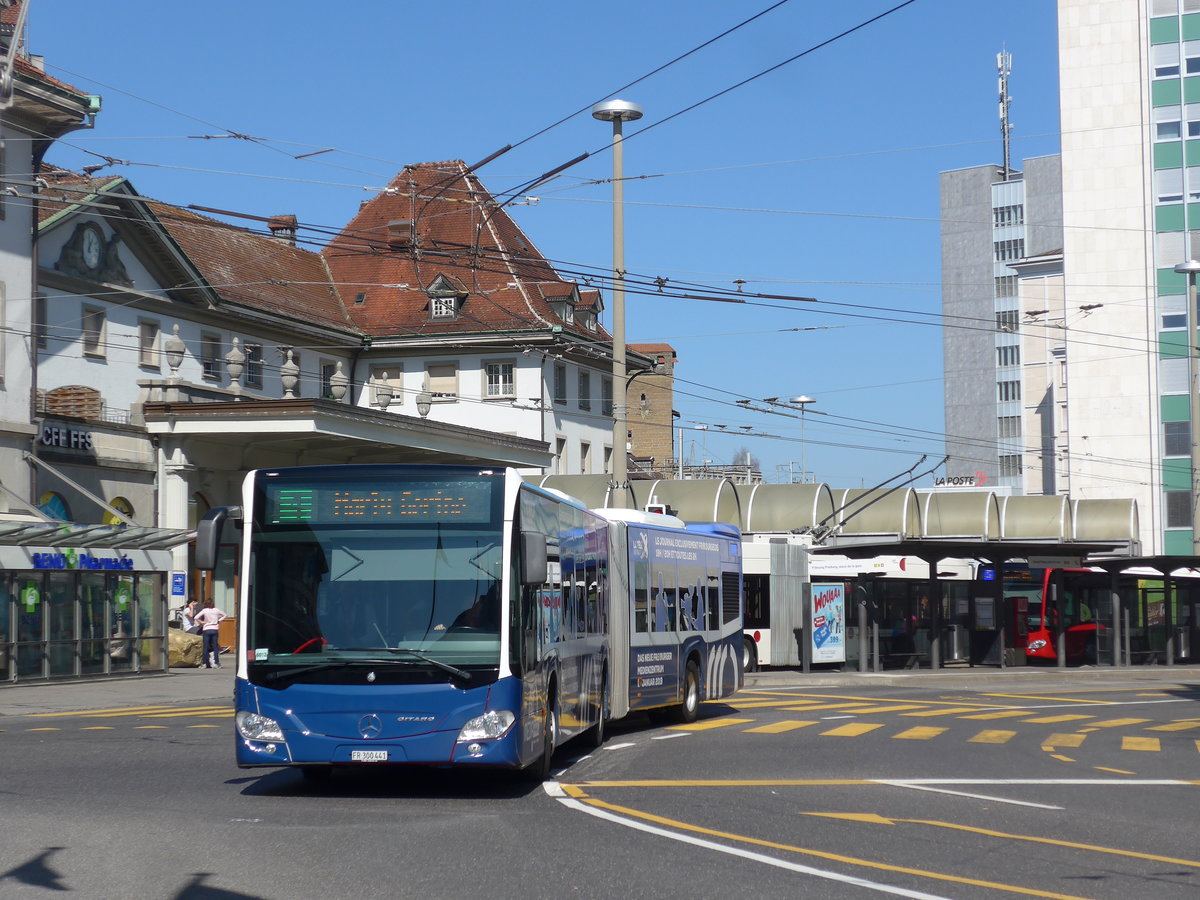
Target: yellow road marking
759,704
97,728
43,729
1044,697
876,700
852,729
709,724
118,711
806,707
920,733
222,714
1115,771
1198,746
1054,842
1148,744
1006,714
1064,740
992,736
779,727
929,713
1116,723
149,727
1174,726
821,854
1050,720
1063,758
883,709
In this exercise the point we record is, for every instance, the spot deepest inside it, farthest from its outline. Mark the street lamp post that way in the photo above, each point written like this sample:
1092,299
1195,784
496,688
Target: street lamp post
618,112
802,401
1190,269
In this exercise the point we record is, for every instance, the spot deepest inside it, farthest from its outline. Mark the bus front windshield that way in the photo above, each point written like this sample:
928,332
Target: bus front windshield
401,572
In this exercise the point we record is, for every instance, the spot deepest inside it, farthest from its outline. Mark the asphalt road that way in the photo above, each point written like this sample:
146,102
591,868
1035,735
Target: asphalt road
1083,786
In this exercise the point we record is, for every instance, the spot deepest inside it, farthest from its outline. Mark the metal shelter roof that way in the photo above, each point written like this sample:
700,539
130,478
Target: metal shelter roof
73,534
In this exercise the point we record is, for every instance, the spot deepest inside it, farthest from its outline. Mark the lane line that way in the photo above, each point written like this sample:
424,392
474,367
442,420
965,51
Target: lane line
930,713
1144,744
919,733
709,724
987,797
1063,740
779,727
854,729
992,736
867,782
599,808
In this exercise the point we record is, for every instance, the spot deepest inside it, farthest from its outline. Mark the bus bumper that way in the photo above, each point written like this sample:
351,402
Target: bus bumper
340,725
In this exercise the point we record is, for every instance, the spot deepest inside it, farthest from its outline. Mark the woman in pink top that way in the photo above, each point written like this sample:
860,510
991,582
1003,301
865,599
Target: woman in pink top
208,619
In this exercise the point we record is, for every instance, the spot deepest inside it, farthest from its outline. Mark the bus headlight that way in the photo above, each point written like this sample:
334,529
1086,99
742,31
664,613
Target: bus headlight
254,727
491,725
1036,645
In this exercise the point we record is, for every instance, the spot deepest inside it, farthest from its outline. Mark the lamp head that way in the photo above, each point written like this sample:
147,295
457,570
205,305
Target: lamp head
616,111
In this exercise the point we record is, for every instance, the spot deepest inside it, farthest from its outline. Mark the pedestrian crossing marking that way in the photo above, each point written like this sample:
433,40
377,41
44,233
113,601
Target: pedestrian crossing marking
1050,720
1116,723
1174,726
854,729
1148,744
1063,740
992,736
779,727
706,725
920,733
1005,714
930,713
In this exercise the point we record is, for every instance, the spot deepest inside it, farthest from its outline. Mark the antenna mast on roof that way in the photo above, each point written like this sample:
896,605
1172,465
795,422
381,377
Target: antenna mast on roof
1003,70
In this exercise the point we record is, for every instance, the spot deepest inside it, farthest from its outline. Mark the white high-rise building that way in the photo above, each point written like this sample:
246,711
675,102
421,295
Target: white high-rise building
1093,401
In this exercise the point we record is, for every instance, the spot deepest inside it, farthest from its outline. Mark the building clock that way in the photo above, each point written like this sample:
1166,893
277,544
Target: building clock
92,247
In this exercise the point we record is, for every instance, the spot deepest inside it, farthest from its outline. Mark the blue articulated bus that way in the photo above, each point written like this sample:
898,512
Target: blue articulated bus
459,616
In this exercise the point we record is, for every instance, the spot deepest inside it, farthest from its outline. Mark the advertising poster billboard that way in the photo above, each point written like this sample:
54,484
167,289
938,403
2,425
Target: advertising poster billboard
828,623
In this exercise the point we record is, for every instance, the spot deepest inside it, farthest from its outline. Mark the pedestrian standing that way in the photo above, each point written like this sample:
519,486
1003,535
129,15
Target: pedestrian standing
209,619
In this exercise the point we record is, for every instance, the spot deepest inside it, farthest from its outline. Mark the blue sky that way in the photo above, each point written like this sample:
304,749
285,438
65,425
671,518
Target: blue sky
818,180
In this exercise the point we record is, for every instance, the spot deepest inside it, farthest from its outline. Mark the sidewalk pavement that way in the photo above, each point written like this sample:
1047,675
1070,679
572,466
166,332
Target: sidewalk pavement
215,686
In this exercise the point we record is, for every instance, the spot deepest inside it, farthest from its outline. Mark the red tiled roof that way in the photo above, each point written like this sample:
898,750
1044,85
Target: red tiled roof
255,271
459,233
653,349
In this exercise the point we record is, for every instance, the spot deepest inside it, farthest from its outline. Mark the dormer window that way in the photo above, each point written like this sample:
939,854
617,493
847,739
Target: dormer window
445,298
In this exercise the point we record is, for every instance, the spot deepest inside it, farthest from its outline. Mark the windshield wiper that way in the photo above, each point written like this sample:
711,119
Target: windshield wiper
436,663
419,655
324,667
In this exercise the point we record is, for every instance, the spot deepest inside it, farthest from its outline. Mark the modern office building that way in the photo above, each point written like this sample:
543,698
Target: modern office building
1086,388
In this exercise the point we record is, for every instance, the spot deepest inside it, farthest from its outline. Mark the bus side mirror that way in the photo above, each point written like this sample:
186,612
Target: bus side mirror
533,557
208,535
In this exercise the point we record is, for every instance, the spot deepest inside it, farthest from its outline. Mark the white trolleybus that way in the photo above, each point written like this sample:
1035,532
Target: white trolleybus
459,616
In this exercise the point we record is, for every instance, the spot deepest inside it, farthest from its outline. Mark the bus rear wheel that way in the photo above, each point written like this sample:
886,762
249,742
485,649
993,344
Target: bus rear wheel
595,735
689,707
749,655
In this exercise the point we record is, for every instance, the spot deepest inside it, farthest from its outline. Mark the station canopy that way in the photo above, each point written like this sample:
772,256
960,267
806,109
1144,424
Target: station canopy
901,521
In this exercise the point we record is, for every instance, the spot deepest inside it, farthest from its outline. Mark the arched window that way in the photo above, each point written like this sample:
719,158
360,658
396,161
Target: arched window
121,505
55,506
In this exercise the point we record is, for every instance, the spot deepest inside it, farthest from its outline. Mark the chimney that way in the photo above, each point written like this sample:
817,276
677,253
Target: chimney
283,229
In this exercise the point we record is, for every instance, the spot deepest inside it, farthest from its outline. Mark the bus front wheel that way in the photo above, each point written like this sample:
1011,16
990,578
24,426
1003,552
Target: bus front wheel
539,770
